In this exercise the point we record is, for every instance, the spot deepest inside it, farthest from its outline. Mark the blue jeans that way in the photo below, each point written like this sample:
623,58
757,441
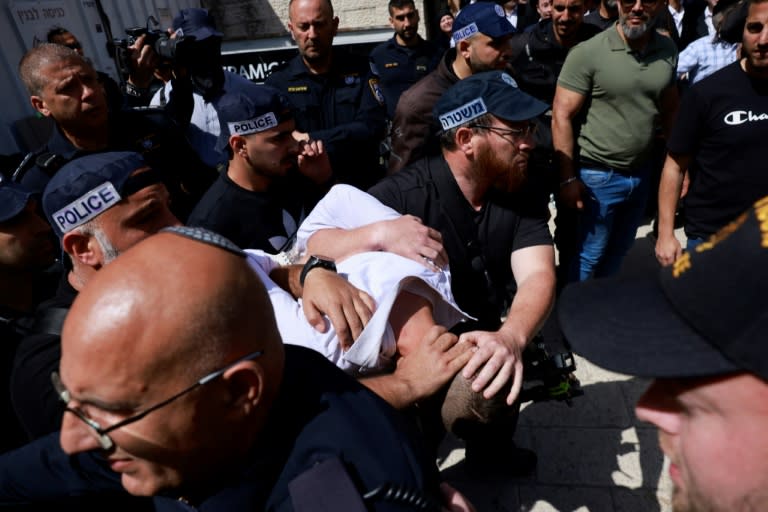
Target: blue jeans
613,209
691,244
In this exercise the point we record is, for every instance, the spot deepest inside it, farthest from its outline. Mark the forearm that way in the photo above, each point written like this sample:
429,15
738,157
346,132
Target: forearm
669,192
562,140
342,243
394,390
530,308
287,278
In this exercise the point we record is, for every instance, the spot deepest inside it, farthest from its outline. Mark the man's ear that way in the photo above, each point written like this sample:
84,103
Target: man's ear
39,105
238,144
245,383
463,139
290,30
462,48
83,248
335,23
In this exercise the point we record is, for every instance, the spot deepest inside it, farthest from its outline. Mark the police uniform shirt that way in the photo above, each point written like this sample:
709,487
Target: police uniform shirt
150,133
399,67
479,243
344,108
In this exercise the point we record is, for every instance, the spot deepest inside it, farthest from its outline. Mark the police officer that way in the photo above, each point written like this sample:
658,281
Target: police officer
26,249
335,96
406,58
64,86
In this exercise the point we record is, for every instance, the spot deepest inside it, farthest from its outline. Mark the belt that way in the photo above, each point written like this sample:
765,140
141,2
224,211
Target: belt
599,166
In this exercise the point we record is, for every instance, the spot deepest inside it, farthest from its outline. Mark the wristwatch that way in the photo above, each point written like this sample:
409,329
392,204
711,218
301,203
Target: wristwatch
316,262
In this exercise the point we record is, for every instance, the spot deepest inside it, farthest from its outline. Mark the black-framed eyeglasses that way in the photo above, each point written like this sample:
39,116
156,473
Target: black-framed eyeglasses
102,434
516,133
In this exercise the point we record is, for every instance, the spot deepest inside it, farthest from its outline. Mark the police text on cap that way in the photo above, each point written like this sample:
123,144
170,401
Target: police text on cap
88,206
464,113
259,124
465,32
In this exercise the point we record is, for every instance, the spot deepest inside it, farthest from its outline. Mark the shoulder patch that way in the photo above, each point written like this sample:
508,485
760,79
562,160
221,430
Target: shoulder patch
373,83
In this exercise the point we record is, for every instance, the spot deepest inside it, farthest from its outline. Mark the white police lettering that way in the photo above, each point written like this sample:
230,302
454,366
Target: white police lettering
464,113
257,125
465,32
738,117
87,207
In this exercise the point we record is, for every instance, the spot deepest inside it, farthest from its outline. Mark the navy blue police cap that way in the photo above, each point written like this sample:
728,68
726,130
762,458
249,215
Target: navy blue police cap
252,109
487,18
88,186
195,22
703,316
13,199
491,92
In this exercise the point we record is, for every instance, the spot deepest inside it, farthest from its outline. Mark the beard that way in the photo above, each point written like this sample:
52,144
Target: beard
509,175
636,32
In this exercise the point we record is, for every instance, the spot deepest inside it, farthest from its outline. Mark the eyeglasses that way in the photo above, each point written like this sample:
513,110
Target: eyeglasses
644,3
102,434
516,133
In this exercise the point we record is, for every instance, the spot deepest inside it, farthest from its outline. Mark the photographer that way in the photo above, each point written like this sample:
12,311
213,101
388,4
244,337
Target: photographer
199,80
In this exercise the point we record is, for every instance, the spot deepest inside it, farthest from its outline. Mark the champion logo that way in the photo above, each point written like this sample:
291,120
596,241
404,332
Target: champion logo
256,125
464,113
738,117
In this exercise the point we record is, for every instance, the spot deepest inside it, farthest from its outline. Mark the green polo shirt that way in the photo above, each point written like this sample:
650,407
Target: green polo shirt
623,91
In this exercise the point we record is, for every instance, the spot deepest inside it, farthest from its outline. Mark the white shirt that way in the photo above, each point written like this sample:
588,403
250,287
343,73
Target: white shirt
677,16
380,274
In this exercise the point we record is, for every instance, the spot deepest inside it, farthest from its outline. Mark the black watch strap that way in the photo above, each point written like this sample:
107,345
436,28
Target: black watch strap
316,262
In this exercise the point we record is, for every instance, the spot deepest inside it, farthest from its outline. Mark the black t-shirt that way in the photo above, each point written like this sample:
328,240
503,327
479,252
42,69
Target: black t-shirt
723,125
252,220
479,243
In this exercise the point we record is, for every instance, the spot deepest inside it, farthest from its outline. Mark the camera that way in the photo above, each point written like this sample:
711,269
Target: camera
548,373
168,49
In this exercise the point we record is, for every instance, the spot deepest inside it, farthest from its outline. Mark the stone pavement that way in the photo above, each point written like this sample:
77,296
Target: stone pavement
593,457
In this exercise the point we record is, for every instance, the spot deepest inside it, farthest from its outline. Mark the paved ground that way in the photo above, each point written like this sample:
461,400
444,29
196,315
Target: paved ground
594,456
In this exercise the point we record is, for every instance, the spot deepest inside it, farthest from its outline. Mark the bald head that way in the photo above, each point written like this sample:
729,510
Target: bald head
171,303
40,57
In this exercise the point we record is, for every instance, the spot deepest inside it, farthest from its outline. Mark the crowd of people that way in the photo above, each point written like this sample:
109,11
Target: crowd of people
280,296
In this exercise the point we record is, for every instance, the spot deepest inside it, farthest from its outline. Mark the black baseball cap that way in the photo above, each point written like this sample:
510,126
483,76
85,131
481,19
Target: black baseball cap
703,316
481,17
197,23
251,109
88,186
490,92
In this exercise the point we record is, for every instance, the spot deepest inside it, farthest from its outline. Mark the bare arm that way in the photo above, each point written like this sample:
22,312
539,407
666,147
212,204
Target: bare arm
668,248
405,235
327,293
498,357
566,105
423,371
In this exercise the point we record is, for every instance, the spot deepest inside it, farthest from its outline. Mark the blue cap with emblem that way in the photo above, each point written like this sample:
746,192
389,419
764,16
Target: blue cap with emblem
492,92
195,22
481,17
13,199
252,109
88,186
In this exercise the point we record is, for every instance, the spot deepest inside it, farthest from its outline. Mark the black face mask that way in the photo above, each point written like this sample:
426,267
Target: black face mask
204,65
